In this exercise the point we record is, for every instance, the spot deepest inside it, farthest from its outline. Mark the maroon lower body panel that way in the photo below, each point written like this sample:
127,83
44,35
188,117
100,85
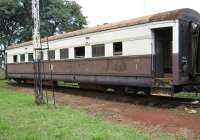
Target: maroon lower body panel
124,70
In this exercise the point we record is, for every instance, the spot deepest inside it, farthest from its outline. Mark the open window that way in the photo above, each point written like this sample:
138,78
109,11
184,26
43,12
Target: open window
117,48
163,51
79,52
15,58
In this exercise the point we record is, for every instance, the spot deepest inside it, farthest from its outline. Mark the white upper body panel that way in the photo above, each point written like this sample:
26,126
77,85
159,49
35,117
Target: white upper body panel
136,40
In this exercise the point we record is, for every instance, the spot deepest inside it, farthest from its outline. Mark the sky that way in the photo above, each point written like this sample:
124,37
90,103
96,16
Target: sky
108,11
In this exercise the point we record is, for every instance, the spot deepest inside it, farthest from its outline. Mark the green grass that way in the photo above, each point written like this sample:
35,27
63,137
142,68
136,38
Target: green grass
21,119
71,85
188,95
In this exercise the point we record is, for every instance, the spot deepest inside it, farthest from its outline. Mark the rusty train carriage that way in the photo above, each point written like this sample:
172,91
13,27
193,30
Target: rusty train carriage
151,51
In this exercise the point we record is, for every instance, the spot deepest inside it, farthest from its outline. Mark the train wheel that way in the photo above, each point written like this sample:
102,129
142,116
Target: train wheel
147,91
144,91
119,90
130,91
19,81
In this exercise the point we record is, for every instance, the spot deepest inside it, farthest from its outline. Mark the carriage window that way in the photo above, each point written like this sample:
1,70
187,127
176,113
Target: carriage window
30,57
42,55
64,53
15,58
39,55
117,48
79,52
52,55
22,58
98,50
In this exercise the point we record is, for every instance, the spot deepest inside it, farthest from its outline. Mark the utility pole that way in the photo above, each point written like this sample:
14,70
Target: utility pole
39,98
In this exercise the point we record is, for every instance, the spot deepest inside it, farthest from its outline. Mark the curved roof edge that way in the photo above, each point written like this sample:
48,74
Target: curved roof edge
185,14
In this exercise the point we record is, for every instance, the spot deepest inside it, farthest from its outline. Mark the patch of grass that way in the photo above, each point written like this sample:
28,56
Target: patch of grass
72,85
188,95
21,119
3,83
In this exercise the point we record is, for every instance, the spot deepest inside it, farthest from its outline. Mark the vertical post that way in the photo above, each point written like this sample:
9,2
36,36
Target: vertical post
6,67
39,99
51,72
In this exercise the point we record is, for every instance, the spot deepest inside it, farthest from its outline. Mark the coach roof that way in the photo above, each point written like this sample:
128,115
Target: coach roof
184,14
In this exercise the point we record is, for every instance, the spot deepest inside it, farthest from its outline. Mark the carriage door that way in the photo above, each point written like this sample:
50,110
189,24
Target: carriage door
163,52
195,48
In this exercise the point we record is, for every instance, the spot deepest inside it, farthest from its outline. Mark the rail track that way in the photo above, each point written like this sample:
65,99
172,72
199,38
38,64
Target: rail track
138,99
178,101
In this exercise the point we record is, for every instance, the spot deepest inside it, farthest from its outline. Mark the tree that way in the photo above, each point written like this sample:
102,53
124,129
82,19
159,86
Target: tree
57,16
9,21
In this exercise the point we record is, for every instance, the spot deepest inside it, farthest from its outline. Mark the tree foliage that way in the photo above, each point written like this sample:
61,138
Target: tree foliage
56,16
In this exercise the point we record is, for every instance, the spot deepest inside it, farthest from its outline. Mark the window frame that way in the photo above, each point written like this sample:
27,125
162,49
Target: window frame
50,56
98,46
29,57
117,53
65,56
24,58
14,58
75,56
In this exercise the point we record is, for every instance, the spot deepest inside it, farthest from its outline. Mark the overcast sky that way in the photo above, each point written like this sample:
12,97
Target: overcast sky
107,11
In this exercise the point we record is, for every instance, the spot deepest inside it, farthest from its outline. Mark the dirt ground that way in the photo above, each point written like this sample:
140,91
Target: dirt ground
151,115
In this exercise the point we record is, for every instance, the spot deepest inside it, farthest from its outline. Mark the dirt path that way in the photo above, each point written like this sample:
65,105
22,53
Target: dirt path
152,117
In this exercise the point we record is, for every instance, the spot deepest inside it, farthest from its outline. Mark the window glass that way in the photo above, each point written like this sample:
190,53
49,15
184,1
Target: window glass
52,55
64,53
79,52
42,55
15,58
22,58
30,57
98,50
39,54
117,48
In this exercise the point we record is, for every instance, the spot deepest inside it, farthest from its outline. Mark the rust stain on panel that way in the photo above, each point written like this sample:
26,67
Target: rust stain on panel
102,66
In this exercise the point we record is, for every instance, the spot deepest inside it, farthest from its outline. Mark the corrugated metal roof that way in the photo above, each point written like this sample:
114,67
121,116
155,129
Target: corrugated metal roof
185,14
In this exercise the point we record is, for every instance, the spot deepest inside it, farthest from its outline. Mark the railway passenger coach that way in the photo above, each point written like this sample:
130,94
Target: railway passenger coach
160,50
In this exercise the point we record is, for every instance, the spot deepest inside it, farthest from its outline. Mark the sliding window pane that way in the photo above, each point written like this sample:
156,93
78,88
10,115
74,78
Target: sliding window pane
52,55
30,57
64,53
98,50
22,58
